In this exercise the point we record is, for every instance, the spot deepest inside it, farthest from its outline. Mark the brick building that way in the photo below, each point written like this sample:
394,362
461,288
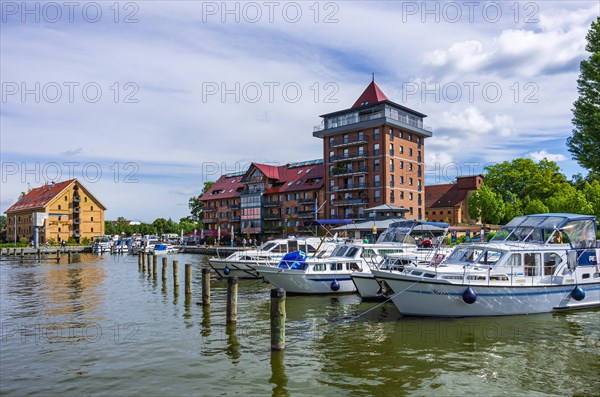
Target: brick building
63,210
265,199
373,155
450,202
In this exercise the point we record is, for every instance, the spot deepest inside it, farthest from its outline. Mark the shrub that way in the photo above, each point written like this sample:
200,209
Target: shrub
24,240
85,241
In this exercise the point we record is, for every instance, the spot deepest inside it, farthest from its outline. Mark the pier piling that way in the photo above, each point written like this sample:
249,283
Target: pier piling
232,288
148,264
164,270
277,319
69,257
154,267
206,286
140,266
188,279
176,275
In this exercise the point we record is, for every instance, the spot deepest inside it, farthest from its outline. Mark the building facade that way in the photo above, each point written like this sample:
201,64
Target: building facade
63,211
373,155
265,200
450,202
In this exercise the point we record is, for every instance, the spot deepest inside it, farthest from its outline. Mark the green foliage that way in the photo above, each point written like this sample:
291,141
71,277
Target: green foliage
85,241
3,222
535,206
584,144
52,241
23,240
72,241
486,205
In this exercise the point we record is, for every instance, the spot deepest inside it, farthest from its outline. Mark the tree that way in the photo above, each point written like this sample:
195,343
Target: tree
486,206
196,205
592,194
584,144
535,206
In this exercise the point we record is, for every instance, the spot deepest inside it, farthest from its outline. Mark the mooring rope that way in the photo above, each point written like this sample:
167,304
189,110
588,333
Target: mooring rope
333,326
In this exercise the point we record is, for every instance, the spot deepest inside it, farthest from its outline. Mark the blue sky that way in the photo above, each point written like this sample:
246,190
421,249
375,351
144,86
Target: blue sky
144,101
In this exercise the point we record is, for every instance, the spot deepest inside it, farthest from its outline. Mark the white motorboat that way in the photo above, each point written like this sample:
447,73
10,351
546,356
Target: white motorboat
403,233
298,274
535,264
241,263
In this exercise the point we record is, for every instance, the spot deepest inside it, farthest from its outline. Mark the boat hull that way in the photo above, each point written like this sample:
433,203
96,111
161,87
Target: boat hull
301,283
418,297
367,286
239,269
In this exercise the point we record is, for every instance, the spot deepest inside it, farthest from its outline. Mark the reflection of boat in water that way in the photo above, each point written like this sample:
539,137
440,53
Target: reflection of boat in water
241,263
535,264
404,233
298,274
101,244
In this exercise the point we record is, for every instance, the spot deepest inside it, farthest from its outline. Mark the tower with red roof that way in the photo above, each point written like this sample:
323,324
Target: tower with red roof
373,154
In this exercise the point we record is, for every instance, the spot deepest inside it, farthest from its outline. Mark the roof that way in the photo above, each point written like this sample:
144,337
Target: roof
306,175
368,225
40,197
371,95
386,208
226,187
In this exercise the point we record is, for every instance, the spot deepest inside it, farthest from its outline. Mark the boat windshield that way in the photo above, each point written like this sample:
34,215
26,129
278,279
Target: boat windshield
477,255
531,229
340,251
581,233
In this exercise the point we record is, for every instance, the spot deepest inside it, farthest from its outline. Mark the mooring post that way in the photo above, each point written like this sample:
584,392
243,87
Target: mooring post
188,279
39,254
149,264
154,267
140,266
69,257
232,288
22,254
143,256
164,270
277,319
206,286
176,274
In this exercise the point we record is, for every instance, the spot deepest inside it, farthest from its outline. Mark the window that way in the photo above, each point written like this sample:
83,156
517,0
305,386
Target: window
410,181
410,196
376,134
85,199
331,155
345,138
533,264
376,149
401,165
410,152
401,149
361,136
377,193
409,166
331,141
391,180
410,137
392,196
410,210
391,149
401,180
91,208
391,165
59,229
59,206
92,219
92,230
391,134
66,198
376,165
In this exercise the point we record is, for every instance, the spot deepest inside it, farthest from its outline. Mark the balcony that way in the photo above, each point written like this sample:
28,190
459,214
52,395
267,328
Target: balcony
209,220
76,233
272,203
209,209
272,217
349,156
235,219
349,186
76,221
76,210
349,202
306,201
377,112
348,141
306,214
349,171
234,207
76,199
271,230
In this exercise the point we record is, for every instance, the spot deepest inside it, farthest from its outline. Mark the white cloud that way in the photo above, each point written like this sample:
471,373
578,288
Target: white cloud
543,154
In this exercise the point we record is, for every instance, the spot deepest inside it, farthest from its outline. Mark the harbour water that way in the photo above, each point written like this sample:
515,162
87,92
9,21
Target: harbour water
99,326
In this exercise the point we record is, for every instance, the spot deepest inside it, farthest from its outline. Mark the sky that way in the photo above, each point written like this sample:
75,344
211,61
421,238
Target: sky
144,101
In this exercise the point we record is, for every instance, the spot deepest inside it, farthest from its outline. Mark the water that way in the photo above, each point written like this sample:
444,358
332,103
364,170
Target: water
101,327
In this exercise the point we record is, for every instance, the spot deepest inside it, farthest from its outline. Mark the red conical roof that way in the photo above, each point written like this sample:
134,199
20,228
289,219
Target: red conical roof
372,94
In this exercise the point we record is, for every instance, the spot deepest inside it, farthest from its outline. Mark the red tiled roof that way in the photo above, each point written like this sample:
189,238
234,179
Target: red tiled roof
434,192
371,95
225,187
287,179
453,198
40,196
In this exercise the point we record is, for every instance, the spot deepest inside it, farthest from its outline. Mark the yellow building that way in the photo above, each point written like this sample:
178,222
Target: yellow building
62,210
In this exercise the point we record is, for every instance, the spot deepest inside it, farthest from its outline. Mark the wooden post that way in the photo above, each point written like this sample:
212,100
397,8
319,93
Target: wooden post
277,319
69,257
206,286
176,274
143,256
22,254
140,265
149,264
232,288
188,279
39,254
154,267
164,270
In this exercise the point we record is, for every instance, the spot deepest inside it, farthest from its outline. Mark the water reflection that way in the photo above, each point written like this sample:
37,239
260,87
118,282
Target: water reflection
278,376
233,343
